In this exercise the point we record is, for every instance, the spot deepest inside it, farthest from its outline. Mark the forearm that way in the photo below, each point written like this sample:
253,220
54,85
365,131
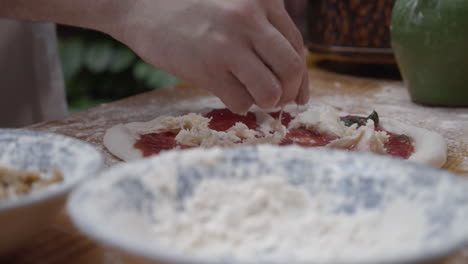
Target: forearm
243,51
103,15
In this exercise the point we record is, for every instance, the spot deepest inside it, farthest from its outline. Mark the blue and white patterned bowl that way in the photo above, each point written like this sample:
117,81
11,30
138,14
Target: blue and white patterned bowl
120,208
25,215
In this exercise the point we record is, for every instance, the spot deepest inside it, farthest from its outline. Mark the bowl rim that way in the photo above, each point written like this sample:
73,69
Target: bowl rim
58,190
106,238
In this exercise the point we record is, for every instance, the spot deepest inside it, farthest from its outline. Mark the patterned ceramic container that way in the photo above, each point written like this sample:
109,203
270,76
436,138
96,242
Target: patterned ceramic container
351,30
25,215
120,208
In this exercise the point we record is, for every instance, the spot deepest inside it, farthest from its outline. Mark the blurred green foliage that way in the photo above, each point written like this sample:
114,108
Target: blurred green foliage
99,69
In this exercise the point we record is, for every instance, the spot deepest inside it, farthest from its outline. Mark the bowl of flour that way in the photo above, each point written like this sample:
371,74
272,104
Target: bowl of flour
267,204
37,172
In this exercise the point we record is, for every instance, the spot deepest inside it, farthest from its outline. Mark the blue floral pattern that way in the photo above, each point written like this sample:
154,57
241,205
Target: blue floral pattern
358,182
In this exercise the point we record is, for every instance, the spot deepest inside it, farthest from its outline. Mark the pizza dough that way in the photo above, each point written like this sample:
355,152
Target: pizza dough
194,131
429,147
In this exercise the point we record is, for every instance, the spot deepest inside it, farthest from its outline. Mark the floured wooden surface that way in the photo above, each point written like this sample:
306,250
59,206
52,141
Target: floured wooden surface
391,100
354,95
91,125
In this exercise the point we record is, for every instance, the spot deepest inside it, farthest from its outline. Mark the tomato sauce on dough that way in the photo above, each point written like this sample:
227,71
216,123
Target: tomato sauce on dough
223,119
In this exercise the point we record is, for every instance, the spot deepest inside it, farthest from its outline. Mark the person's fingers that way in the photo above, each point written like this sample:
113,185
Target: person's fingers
283,22
280,56
233,93
304,92
257,78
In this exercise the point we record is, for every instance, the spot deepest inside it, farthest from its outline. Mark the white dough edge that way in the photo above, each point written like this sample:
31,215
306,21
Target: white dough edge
120,141
430,147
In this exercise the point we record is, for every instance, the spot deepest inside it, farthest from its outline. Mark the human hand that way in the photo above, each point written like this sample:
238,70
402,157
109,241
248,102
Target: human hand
243,51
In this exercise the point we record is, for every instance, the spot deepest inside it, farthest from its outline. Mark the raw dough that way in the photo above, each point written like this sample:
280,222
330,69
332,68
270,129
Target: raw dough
193,131
429,147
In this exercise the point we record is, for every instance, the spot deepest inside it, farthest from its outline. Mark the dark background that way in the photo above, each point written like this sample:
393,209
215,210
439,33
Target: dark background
99,69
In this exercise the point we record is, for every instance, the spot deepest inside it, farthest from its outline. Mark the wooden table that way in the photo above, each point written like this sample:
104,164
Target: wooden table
61,243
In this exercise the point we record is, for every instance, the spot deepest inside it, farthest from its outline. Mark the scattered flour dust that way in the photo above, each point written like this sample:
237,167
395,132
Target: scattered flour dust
268,219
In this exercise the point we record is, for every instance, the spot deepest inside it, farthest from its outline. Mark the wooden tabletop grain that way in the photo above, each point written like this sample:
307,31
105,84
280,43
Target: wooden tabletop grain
61,243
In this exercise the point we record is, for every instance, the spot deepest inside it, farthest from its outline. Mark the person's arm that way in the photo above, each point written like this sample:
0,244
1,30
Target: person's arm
243,51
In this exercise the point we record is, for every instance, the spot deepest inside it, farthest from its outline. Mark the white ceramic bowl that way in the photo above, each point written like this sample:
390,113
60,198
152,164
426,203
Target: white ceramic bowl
25,215
121,207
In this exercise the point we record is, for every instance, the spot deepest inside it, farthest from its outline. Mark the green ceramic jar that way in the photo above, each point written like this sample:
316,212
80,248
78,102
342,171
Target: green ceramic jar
430,43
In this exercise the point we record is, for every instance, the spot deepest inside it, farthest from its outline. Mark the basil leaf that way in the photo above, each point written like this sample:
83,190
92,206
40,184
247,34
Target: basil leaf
374,117
351,120
361,121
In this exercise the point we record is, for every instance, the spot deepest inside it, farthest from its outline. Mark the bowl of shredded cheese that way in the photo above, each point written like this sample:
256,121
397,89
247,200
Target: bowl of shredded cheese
267,204
37,171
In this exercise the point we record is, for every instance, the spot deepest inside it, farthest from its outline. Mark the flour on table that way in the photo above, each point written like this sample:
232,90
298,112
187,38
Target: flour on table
276,221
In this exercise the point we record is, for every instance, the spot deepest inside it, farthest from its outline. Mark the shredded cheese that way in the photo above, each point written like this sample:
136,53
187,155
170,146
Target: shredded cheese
364,139
193,130
322,119
195,122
